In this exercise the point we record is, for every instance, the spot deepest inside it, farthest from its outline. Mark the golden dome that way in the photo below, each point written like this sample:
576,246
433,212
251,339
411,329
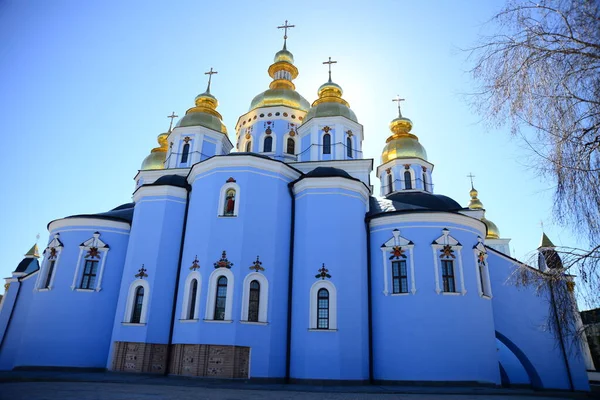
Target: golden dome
475,204
492,230
204,114
402,143
156,158
282,91
330,103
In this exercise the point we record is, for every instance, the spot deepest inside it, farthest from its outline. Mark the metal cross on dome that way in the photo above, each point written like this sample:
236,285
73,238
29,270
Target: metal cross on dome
285,27
471,176
398,99
210,74
330,62
172,116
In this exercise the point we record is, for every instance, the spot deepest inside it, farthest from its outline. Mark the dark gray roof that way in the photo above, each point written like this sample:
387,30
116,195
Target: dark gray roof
123,213
28,265
170,180
412,201
321,172
246,153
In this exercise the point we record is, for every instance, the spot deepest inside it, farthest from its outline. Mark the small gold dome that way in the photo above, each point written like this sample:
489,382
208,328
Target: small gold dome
475,203
492,230
156,158
330,103
402,143
284,55
204,114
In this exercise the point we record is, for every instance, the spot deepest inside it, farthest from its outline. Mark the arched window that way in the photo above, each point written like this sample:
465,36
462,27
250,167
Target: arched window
390,183
425,181
448,276
291,146
138,302
253,301
221,299
399,277
193,295
349,147
229,204
407,180
327,143
268,144
323,309
185,153
248,146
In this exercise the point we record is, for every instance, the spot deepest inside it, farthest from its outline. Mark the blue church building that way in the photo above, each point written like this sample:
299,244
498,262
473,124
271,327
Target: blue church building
278,261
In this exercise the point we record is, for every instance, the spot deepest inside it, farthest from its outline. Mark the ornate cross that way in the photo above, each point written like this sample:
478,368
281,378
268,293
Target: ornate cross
172,116
398,99
323,273
285,29
257,266
195,264
210,74
223,262
330,62
141,273
471,176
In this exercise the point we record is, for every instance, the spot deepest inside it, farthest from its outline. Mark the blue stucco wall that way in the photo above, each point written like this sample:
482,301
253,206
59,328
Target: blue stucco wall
330,229
13,332
445,337
261,228
519,316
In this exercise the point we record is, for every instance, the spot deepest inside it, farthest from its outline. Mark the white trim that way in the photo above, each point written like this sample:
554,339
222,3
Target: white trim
284,146
254,323
385,271
263,300
94,241
440,217
438,244
261,144
314,290
185,305
43,275
333,183
188,321
413,182
85,290
131,298
152,175
132,324
321,143
223,193
219,321
486,290
159,191
243,161
87,221
212,294
402,161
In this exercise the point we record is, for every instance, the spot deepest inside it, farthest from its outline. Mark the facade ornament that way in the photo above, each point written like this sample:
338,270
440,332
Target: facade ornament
397,252
53,254
141,273
257,265
292,133
195,264
388,170
187,139
248,136
424,169
230,180
323,273
326,129
6,286
349,133
406,166
91,253
268,131
447,252
223,262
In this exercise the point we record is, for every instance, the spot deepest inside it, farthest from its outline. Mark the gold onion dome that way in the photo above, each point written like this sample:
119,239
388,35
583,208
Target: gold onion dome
402,143
475,204
282,91
330,103
205,112
158,155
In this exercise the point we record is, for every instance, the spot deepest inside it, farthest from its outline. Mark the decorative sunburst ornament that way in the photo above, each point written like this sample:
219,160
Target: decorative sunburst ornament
326,129
397,252
323,273
223,262
141,273
257,265
93,253
52,255
481,257
195,264
447,252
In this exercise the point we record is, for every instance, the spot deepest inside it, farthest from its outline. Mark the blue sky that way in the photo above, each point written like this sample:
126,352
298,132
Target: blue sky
86,87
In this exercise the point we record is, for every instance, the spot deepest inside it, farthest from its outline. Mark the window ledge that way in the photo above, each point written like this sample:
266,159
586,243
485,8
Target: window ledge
46,289
84,290
321,330
254,323
451,293
485,296
226,216
133,324
400,294
188,321
219,321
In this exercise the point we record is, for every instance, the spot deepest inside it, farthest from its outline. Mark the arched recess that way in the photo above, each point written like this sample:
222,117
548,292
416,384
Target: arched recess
212,293
127,318
187,303
534,378
263,297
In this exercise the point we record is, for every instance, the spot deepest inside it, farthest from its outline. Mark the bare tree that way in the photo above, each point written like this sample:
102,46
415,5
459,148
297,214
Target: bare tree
540,73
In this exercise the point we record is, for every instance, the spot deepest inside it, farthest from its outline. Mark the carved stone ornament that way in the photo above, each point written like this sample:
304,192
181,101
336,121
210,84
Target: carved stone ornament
141,273
257,265
223,262
323,273
195,264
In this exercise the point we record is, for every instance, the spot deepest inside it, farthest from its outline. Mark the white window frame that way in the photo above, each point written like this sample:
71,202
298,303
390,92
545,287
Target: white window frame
182,143
346,147
331,144
284,146
42,276
212,295
187,300
263,300
273,146
131,298
236,206
314,291
103,248
485,291
246,145
386,248
437,245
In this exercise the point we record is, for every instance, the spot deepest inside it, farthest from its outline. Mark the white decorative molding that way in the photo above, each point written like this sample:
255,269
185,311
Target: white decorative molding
159,191
402,161
386,248
236,204
333,183
482,270
96,223
261,143
187,301
263,300
413,181
440,217
55,246
314,290
93,242
131,298
212,294
437,246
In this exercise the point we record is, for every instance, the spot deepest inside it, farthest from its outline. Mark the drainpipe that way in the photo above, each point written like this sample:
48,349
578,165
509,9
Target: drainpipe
176,291
288,350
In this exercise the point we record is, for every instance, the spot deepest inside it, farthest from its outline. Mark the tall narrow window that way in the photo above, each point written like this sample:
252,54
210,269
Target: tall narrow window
407,180
448,276
253,301
425,181
193,294
327,143
248,146
88,279
268,144
481,267
349,147
390,183
229,206
399,277
185,153
291,146
138,302
221,299
49,275
323,309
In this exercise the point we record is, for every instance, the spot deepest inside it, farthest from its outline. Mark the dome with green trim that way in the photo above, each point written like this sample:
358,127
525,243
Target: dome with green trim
330,103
